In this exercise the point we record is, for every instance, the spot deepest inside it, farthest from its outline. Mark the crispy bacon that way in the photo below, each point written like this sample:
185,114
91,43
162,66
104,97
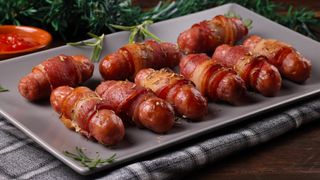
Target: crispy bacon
140,104
256,72
290,63
54,72
128,60
84,111
205,36
217,82
181,93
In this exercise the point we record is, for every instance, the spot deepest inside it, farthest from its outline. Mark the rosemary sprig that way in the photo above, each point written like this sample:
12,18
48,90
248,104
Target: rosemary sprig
97,46
138,32
246,22
91,163
2,89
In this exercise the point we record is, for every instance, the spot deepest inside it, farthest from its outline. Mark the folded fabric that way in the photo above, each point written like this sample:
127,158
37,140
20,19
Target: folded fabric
21,158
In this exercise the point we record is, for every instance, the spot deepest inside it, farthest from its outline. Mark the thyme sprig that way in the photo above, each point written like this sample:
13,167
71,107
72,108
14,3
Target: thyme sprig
246,22
86,161
2,89
97,46
138,32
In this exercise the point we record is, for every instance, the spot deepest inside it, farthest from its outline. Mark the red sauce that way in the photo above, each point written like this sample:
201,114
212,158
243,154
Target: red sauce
14,42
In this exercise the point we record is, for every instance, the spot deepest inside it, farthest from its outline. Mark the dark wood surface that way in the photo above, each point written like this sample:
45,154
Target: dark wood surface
295,155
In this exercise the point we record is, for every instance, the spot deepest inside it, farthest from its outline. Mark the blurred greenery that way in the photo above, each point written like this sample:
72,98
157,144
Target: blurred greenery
73,19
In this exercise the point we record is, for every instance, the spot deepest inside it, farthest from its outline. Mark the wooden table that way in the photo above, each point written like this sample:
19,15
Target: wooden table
295,155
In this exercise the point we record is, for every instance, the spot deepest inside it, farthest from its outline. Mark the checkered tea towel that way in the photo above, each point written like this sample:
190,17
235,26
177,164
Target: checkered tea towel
21,158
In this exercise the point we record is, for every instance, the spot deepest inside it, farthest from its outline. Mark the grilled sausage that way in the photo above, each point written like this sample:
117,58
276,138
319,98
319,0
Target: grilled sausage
290,63
256,72
140,104
179,92
84,111
212,79
126,62
54,72
205,36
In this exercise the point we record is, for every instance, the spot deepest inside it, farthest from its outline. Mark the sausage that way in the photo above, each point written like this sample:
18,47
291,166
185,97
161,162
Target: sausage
290,63
140,104
256,72
178,91
126,62
205,36
82,110
54,72
213,80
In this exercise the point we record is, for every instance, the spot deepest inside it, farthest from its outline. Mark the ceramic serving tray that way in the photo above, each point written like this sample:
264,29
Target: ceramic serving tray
42,124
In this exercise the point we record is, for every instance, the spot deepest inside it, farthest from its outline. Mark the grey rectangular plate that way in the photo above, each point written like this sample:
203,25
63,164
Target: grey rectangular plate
42,124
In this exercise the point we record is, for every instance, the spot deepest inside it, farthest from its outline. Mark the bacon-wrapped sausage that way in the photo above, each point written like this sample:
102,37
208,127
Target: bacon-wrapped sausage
290,63
256,72
128,60
212,79
140,104
83,110
54,72
179,92
205,36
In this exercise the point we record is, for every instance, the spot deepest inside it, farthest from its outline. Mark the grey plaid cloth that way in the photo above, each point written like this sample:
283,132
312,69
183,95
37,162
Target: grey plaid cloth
21,158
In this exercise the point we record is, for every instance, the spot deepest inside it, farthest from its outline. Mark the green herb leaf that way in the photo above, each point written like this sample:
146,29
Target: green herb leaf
147,33
86,161
2,89
133,35
231,14
246,22
125,28
80,43
138,32
97,46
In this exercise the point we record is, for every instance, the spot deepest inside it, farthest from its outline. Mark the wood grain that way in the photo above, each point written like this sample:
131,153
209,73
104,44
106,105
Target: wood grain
294,155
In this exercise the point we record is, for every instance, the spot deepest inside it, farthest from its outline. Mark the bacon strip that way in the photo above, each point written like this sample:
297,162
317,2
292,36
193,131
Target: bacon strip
140,104
127,61
290,63
84,111
54,72
205,36
181,93
256,72
212,79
